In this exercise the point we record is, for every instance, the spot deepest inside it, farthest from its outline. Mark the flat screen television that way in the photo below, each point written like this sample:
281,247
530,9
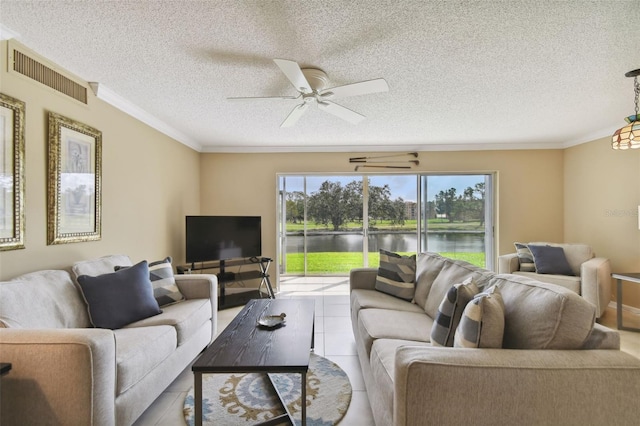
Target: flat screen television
222,237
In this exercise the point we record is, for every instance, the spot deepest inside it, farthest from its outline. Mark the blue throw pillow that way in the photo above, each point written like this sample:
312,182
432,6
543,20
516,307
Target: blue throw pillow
550,260
120,298
163,282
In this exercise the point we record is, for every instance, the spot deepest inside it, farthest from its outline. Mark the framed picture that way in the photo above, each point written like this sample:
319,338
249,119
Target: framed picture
11,173
74,192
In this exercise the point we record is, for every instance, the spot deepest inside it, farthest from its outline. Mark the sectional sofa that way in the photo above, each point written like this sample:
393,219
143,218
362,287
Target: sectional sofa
67,372
553,365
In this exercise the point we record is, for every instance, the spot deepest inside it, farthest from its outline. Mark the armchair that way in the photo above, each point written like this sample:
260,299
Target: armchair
592,275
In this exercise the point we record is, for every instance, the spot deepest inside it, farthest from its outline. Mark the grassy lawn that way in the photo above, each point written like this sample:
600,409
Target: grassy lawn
342,263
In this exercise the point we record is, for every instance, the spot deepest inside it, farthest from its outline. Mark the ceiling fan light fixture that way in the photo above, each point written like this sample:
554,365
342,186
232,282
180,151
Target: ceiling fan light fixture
628,137
311,83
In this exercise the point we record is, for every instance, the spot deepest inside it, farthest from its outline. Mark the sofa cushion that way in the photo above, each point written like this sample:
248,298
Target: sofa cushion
21,302
450,312
100,266
139,351
428,266
571,282
186,317
119,298
525,258
543,316
376,324
363,299
482,322
396,275
550,260
453,272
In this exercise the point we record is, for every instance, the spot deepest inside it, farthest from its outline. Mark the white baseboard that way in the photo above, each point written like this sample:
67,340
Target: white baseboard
627,308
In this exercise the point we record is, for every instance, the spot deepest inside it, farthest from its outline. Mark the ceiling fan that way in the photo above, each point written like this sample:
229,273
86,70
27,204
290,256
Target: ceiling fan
311,84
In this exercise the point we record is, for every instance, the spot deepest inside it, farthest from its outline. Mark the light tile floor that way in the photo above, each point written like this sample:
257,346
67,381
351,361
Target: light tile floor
334,340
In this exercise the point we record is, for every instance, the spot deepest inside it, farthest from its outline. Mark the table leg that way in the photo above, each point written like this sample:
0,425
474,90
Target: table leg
619,304
197,396
287,414
619,308
303,384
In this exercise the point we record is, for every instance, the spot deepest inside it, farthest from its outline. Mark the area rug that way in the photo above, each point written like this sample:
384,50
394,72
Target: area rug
249,398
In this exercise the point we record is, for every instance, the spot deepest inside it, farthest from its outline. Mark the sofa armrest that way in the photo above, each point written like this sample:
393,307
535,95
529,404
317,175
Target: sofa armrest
595,286
201,286
198,286
363,278
508,263
436,385
66,376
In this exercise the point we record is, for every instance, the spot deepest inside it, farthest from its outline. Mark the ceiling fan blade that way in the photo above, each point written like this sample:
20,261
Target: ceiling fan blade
356,89
260,98
295,115
293,72
340,111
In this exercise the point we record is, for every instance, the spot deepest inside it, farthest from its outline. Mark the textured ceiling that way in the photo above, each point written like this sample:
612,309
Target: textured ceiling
462,74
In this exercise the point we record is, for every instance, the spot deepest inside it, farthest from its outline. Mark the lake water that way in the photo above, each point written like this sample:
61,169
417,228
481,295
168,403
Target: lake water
397,242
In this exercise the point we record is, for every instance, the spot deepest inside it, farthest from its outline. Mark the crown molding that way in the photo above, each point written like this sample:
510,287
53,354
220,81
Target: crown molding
7,33
378,148
109,96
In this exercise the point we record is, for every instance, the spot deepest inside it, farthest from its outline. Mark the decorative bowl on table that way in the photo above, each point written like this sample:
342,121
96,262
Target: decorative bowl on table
272,321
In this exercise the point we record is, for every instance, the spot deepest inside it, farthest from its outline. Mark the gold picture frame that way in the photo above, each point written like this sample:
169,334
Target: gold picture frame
12,116
74,175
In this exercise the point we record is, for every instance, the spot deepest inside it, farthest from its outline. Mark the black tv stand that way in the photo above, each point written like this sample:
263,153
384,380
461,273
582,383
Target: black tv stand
226,277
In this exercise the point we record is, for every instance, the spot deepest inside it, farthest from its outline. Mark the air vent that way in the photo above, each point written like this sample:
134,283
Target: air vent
36,70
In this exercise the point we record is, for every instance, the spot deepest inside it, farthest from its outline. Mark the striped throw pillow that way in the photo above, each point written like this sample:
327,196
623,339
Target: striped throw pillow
450,312
525,257
165,289
482,323
396,275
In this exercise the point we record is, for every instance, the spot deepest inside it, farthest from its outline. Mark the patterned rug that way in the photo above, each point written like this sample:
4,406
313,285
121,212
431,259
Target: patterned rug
243,399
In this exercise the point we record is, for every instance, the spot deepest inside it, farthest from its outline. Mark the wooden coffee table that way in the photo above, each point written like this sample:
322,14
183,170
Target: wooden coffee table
245,347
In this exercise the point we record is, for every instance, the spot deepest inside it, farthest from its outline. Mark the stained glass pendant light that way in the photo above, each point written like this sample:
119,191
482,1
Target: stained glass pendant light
629,136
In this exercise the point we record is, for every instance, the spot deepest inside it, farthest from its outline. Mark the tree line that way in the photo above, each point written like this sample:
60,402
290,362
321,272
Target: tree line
465,207
334,205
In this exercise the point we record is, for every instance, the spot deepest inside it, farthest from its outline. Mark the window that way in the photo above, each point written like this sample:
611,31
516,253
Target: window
329,224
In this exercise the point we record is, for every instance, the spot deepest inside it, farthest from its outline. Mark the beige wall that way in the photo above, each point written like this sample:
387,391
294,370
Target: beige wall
530,186
602,195
150,182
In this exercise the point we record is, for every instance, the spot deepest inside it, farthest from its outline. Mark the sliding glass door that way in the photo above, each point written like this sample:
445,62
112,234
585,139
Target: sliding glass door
392,206
457,220
329,224
321,224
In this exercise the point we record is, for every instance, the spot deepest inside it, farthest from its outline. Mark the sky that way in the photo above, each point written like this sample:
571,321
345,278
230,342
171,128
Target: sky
401,185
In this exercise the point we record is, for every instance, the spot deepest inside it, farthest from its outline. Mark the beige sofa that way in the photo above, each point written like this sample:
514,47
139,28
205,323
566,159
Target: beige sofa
65,372
555,367
591,279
